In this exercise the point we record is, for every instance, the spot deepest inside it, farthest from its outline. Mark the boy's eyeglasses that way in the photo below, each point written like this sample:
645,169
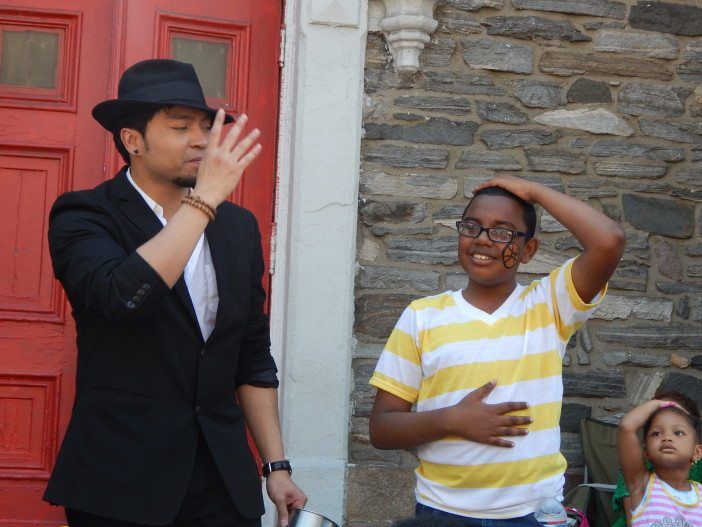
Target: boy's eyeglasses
496,234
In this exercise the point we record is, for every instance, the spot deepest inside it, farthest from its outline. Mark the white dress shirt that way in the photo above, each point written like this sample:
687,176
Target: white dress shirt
199,272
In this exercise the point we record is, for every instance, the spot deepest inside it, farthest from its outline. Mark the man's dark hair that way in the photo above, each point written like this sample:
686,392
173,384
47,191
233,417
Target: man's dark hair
138,119
691,410
528,209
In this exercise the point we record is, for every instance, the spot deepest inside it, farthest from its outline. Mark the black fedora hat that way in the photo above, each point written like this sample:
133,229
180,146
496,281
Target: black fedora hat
154,82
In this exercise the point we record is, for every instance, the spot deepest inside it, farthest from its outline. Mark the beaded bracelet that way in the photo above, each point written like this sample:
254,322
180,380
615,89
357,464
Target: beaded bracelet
200,205
198,199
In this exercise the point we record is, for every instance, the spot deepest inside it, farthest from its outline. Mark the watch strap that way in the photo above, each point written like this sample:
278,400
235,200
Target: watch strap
276,465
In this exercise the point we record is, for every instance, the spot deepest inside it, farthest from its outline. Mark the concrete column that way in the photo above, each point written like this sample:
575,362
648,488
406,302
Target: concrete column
316,212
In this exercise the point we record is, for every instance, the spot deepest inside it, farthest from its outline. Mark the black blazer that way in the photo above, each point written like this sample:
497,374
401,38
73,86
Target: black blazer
146,381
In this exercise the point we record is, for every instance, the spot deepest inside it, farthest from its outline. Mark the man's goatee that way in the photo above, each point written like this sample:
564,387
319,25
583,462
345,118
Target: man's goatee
185,181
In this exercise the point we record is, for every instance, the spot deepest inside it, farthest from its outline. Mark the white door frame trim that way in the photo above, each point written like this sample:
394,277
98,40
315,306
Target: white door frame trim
315,240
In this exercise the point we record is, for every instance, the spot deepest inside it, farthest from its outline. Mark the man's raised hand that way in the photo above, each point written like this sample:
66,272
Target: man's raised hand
225,160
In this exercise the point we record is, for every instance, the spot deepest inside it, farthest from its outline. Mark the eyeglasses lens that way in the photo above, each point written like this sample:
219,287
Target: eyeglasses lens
495,234
500,235
470,229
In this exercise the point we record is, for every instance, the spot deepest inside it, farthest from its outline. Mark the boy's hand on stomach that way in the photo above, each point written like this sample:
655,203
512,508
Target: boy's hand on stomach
475,420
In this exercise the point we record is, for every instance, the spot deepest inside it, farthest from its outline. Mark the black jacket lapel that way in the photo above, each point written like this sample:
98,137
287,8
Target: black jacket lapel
135,208
182,290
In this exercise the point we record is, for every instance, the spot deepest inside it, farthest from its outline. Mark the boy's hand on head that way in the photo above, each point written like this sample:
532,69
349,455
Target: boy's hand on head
517,186
475,420
602,238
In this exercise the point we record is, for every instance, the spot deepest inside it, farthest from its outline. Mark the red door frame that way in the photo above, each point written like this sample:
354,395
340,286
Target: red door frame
54,380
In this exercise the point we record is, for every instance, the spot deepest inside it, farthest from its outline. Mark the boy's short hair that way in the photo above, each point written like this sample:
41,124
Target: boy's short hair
691,410
137,120
528,209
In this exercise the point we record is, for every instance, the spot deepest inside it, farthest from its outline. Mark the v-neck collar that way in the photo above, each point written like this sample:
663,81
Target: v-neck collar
483,315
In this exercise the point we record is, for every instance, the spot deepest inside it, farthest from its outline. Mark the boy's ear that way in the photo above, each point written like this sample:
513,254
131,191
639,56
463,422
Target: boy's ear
530,248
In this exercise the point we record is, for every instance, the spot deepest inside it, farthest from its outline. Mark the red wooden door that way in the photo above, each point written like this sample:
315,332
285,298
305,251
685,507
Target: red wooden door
58,58
234,46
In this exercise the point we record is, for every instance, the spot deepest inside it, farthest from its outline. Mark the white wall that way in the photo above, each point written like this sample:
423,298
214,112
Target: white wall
316,211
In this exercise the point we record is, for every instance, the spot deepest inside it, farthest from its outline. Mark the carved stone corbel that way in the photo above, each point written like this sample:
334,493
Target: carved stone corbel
407,25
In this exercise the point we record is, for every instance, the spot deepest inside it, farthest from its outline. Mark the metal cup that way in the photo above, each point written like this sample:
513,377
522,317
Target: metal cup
305,518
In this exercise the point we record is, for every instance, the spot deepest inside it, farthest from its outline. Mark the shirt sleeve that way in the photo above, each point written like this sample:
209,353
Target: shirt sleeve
570,311
399,370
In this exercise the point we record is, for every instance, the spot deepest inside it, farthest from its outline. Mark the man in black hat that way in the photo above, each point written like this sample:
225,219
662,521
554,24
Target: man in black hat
164,278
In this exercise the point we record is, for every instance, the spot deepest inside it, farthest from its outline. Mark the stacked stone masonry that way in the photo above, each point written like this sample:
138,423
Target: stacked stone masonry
600,99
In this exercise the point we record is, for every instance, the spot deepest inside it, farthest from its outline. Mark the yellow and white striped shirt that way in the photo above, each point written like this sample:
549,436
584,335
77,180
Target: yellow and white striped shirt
443,348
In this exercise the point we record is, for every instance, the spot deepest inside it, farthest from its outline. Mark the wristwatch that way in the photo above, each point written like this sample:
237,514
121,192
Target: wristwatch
276,465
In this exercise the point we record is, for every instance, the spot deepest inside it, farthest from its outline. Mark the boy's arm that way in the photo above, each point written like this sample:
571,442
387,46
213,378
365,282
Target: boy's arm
602,238
394,425
629,449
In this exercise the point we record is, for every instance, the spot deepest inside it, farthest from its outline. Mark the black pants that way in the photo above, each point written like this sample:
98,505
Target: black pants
207,502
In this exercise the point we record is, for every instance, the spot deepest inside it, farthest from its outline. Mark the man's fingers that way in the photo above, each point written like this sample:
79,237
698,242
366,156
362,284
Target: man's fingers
242,146
216,130
282,508
248,158
234,133
299,501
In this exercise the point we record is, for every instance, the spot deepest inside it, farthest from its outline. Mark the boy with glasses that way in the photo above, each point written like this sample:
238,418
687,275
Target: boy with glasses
483,365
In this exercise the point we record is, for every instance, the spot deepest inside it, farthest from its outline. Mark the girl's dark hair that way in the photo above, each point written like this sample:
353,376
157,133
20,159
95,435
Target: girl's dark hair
138,119
691,413
528,209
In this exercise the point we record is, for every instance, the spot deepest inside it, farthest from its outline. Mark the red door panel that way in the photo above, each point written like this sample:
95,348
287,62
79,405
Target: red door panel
58,58
52,70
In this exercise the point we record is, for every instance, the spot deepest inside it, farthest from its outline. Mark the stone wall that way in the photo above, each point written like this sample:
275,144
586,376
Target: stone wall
600,99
